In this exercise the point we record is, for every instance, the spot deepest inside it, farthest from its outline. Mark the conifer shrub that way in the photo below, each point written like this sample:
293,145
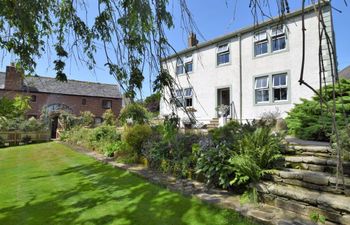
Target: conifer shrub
311,121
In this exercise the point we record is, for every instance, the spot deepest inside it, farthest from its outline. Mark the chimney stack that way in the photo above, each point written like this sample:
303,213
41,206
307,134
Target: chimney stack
192,40
13,80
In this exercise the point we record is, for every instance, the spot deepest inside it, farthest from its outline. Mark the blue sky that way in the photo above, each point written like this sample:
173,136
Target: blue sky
213,18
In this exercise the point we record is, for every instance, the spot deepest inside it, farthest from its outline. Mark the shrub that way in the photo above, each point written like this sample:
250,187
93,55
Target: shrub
172,155
226,135
87,119
31,124
133,111
136,136
152,102
67,120
109,118
213,163
308,120
258,151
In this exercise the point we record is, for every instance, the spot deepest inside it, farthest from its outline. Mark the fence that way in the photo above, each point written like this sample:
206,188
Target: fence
21,137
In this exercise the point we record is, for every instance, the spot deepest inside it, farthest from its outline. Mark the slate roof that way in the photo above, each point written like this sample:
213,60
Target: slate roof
345,73
71,87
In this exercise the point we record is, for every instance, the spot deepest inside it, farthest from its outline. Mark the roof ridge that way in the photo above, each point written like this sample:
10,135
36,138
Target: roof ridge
89,82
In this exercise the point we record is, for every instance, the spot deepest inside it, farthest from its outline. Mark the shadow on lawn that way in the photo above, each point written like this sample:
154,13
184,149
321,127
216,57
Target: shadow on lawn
96,194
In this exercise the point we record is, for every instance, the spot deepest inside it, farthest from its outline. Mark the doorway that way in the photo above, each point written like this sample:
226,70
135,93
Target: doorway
54,125
223,98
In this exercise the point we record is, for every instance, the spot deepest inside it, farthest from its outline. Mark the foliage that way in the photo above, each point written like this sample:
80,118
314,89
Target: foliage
308,120
213,163
258,151
134,111
21,124
226,135
27,25
344,142
67,120
14,108
316,217
109,118
135,136
171,155
32,124
152,102
87,119
99,138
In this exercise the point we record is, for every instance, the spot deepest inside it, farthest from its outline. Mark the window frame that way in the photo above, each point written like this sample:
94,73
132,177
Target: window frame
219,52
83,101
276,35
181,97
261,89
256,42
179,64
188,60
103,103
271,88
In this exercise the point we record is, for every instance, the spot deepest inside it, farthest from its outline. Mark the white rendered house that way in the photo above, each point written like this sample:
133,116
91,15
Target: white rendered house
253,70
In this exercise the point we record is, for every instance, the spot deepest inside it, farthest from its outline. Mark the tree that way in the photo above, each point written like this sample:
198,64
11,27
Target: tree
14,108
152,102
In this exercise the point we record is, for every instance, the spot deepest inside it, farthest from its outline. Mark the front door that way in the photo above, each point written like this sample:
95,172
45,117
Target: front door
54,125
223,96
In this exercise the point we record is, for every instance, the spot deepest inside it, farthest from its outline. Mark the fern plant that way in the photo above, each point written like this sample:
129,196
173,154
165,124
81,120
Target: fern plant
257,153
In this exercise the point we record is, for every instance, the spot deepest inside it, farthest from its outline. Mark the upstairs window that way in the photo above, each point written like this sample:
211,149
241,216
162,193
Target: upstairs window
223,54
280,87
260,43
188,60
261,89
83,101
106,104
179,66
278,39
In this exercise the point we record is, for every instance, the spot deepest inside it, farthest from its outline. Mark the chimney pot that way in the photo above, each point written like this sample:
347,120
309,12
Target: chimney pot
192,40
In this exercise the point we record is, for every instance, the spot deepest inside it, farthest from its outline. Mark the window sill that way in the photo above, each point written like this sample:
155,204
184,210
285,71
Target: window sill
223,64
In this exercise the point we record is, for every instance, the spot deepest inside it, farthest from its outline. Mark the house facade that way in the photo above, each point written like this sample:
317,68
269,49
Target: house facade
253,71
55,96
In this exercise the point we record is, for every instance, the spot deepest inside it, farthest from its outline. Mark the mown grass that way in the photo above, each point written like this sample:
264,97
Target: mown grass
51,184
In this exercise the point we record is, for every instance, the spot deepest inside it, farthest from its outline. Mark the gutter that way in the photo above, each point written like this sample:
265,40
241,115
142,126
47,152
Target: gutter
240,81
243,31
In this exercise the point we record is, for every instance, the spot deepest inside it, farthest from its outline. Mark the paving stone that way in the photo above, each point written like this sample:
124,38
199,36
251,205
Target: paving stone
335,201
315,160
293,192
315,178
345,219
261,216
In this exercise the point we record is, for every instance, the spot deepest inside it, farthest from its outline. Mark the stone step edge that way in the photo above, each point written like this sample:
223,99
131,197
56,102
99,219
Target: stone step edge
325,178
314,160
311,148
312,197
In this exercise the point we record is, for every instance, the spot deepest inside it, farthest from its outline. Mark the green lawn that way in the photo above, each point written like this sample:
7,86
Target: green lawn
51,184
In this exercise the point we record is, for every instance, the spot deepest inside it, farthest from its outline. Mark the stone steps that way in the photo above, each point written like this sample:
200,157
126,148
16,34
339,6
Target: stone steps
214,123
315,163
320,181
335,207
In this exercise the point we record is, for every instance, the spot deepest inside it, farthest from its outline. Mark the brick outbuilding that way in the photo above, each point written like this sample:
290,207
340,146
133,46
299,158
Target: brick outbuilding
72,96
